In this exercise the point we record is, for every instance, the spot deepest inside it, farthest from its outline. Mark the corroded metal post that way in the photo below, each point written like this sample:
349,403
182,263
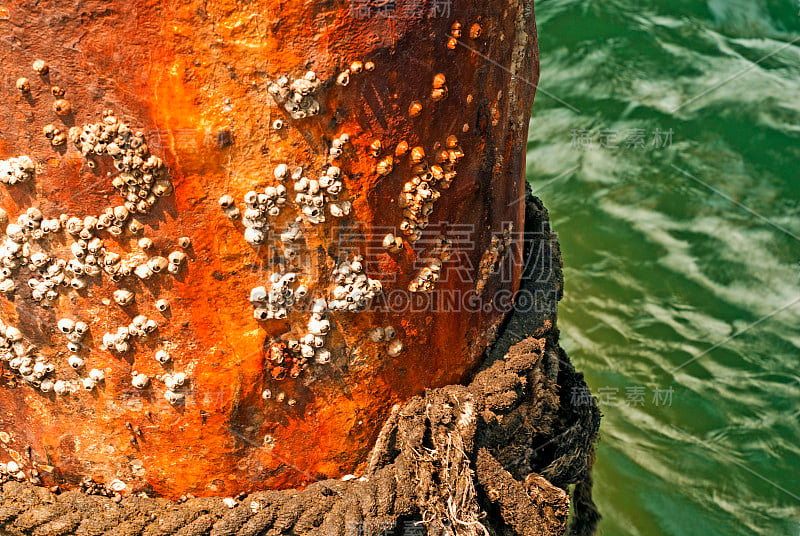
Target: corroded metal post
237,233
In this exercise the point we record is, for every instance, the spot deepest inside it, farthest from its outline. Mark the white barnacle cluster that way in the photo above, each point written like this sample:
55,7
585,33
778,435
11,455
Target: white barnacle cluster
260,207
312,344
276,302
354,289
120,341
26,244
228,205
16,170
352,293
34,368
90,257
422,191
23,246
300,351
175,261
332,182
142,176
23,359
297,96
33,242
74,332
312,197
314,194
11,469
142,179
95,377
174,383
426,278
337,145
492,256
55,135
158,264
388,336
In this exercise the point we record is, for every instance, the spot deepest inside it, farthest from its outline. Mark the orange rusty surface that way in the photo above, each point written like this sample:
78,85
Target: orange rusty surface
193,76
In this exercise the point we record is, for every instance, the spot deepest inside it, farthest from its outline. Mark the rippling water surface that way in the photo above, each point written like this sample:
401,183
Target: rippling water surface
664,141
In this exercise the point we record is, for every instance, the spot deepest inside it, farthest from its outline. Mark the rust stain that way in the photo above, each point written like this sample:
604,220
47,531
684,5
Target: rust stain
194,79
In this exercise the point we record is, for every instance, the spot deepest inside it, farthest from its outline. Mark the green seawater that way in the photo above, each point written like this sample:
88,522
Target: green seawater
665,143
